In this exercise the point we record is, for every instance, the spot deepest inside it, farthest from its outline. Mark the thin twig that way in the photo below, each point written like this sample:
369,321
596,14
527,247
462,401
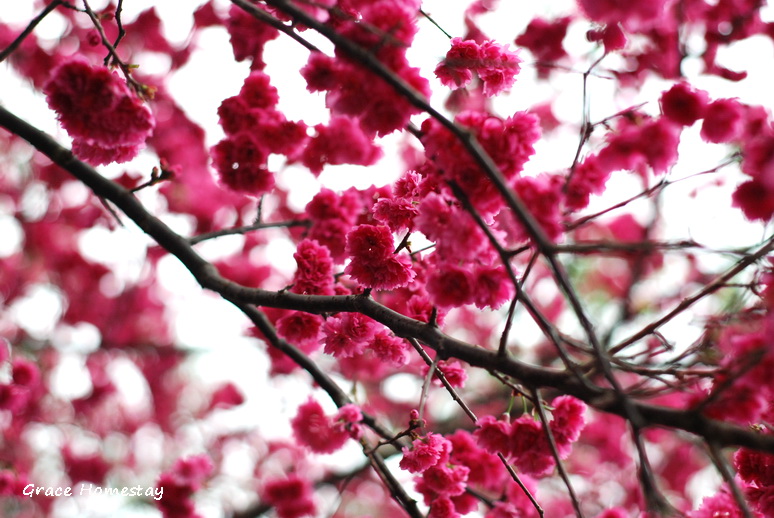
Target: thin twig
713,286
28,30
515,477
119,23
113,57
248,228
431,20
727,473
433,368
555,452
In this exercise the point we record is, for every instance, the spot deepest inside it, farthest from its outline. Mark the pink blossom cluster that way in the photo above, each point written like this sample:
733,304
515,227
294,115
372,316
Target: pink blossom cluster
744,399
226,396
755,197
353,90
350,335
322,433
509,142
466,269
398,210
180,482
181,142
633,15
524,440
24,384
727,120
544,39
254,129
611,36
84,467
248,36
314,271
373,261
756,469
494,64
341,141
106,121
452,371
304,330
291,497
638,143
441,481
333,216
447,466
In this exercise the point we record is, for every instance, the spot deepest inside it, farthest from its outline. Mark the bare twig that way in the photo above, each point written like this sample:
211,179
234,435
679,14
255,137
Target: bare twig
711,287
248,228
515,477
727,473
28,30
555,452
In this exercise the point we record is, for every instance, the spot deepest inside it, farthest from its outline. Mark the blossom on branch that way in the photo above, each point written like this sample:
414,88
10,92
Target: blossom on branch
107,122
373,261
495,65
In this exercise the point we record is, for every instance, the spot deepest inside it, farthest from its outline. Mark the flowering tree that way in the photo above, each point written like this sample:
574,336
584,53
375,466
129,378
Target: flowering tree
561,344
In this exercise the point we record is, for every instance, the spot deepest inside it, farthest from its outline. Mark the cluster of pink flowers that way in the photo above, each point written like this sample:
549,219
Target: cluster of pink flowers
304,330
466,270
684,104
248,36
452,371
341,141
226,396
354,91
638,143
24,385
524,442
181,142
322,433
746,399
441,482
373,261
544,39
756,469
399,210
450,285
729,121
180,483
254,130
84,467
611,36
314,273
291,497
495,65
107,122
350,335
333,216
633,15
509,142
